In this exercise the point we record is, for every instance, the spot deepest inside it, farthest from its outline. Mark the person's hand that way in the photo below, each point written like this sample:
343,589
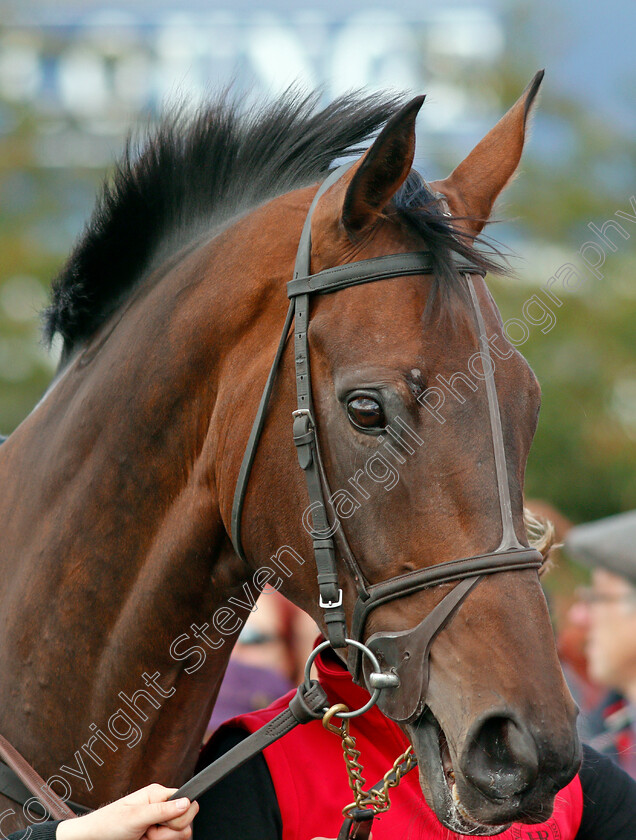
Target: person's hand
143,815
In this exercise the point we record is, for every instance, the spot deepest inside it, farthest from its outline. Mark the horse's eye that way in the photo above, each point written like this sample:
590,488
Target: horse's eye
366,414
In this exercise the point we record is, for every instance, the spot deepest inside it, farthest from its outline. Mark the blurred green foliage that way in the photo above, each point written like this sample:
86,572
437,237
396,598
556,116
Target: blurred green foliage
36,209
583,459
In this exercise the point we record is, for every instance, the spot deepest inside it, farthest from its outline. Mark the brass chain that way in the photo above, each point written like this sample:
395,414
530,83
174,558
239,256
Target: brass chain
376,799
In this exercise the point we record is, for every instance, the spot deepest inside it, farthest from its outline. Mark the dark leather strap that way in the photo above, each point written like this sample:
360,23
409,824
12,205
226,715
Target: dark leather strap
303,260
367,271
302,265
304,707
13,788
508,535
31,780
357,827
447,572
305,439
252,442
324,550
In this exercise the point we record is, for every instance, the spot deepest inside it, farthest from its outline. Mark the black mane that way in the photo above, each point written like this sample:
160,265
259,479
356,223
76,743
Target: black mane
193,172
419,210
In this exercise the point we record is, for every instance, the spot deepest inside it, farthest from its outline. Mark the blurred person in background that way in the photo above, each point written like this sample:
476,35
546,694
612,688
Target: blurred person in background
607,613
267,660
561,582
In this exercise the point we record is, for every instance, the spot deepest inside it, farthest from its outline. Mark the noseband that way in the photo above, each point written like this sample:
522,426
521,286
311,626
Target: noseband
404,656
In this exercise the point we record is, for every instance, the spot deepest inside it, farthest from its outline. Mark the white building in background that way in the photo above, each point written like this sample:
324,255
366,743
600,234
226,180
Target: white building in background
89,69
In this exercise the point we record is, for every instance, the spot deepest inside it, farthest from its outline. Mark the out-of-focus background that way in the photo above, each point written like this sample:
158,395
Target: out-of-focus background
75,75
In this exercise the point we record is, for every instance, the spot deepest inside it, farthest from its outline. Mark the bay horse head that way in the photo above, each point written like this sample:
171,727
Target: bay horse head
396,399
421,552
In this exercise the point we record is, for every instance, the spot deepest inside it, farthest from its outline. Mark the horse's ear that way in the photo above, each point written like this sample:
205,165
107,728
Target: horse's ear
472,188
382,170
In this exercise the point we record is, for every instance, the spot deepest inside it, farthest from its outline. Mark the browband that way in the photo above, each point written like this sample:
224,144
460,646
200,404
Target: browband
376,268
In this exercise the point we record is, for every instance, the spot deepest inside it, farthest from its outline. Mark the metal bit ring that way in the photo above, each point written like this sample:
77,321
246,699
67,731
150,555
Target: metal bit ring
376,669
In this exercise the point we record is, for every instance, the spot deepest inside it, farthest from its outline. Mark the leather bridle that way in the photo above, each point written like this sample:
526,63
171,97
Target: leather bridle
390,659
393,649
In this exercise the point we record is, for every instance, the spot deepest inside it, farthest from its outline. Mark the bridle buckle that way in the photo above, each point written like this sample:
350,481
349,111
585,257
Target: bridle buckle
331,605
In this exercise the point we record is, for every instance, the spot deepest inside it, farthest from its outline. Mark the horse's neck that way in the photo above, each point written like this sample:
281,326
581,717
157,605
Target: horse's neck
100,669
116,555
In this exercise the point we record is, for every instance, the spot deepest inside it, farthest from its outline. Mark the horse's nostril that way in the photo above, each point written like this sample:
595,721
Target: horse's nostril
501,759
